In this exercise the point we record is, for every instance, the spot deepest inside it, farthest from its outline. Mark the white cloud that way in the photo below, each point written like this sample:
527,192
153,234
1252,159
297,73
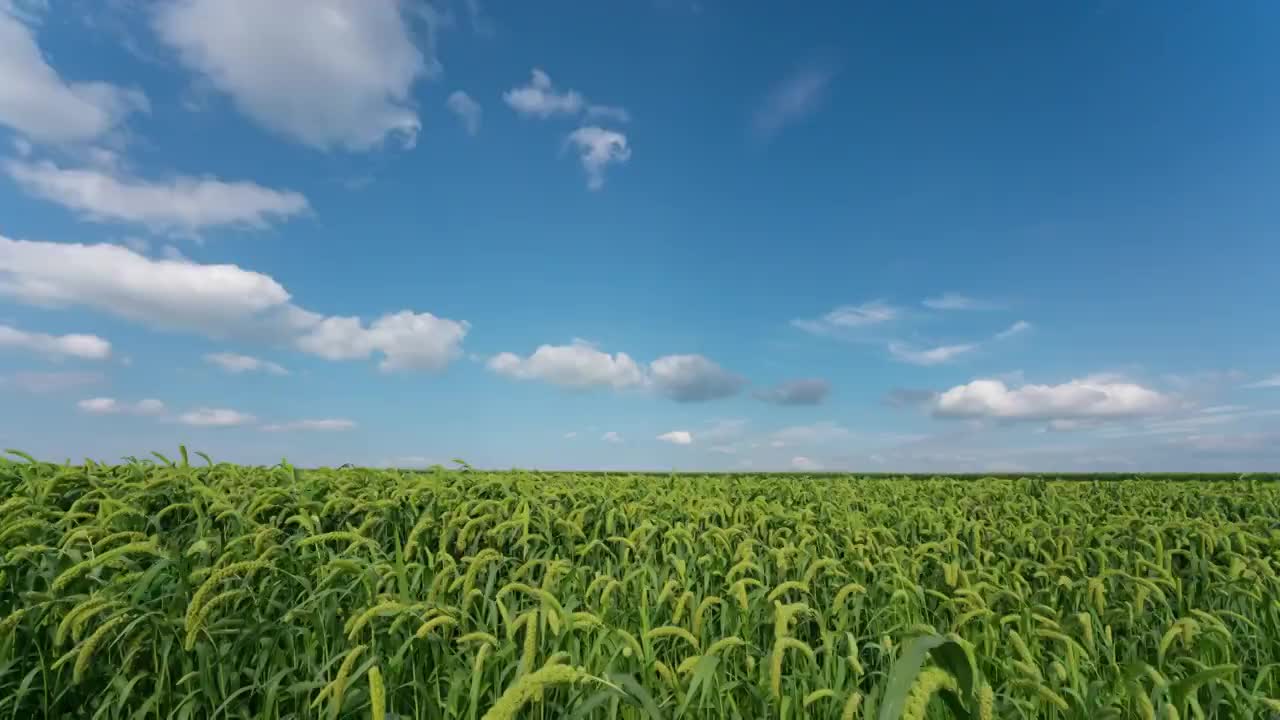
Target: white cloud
597,149
813,434
932,356
111,406
327,73
37,103
800,462
235,363
808,391
1270,382
467,110
216,301
45,382
162,293
677,437
580,365
541,99
215,417
1082,398
577,365
612,437
609,112
849,317
1217,409
88,347
184,205
956,301
692,378
795,98
407,340
570,435
322,425
1015,329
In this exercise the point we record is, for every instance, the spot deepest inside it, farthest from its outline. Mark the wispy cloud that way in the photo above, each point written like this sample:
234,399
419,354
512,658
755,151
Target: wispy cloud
47,382
846,318
794,98
467,110
930,356
111,406
1270,382
215,417
321,425
1017,328
956,301
180,205
801,462
236,364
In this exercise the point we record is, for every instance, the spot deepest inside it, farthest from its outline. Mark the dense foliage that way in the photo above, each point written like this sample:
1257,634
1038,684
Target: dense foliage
169,590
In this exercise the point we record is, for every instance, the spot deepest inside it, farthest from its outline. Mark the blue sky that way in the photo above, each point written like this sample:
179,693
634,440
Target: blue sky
651,234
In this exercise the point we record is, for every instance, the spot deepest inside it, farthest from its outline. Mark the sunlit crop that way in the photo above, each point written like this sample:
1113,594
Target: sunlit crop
160,589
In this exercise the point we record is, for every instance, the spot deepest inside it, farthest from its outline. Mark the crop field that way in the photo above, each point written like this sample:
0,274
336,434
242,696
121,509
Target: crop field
176,589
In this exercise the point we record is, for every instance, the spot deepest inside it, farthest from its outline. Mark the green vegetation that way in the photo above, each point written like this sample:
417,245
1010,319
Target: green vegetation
169,590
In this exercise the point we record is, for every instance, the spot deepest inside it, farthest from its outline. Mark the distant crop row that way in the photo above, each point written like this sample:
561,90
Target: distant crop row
170,590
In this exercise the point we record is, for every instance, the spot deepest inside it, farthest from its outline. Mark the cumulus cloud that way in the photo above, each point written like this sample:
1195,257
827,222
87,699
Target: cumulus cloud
111,406
321,425
612,437
47,382
677,437
808,391
540,98
215,417
577,365
849,317
163,293
930,356
581,365
467,110
597,149
184,205
406,340
88,347
326,73
216,301
36,102
1103,397
956,301
692,378
235,363
795,98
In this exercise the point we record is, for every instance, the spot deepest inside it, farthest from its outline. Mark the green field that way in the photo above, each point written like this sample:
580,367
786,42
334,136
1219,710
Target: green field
160,589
